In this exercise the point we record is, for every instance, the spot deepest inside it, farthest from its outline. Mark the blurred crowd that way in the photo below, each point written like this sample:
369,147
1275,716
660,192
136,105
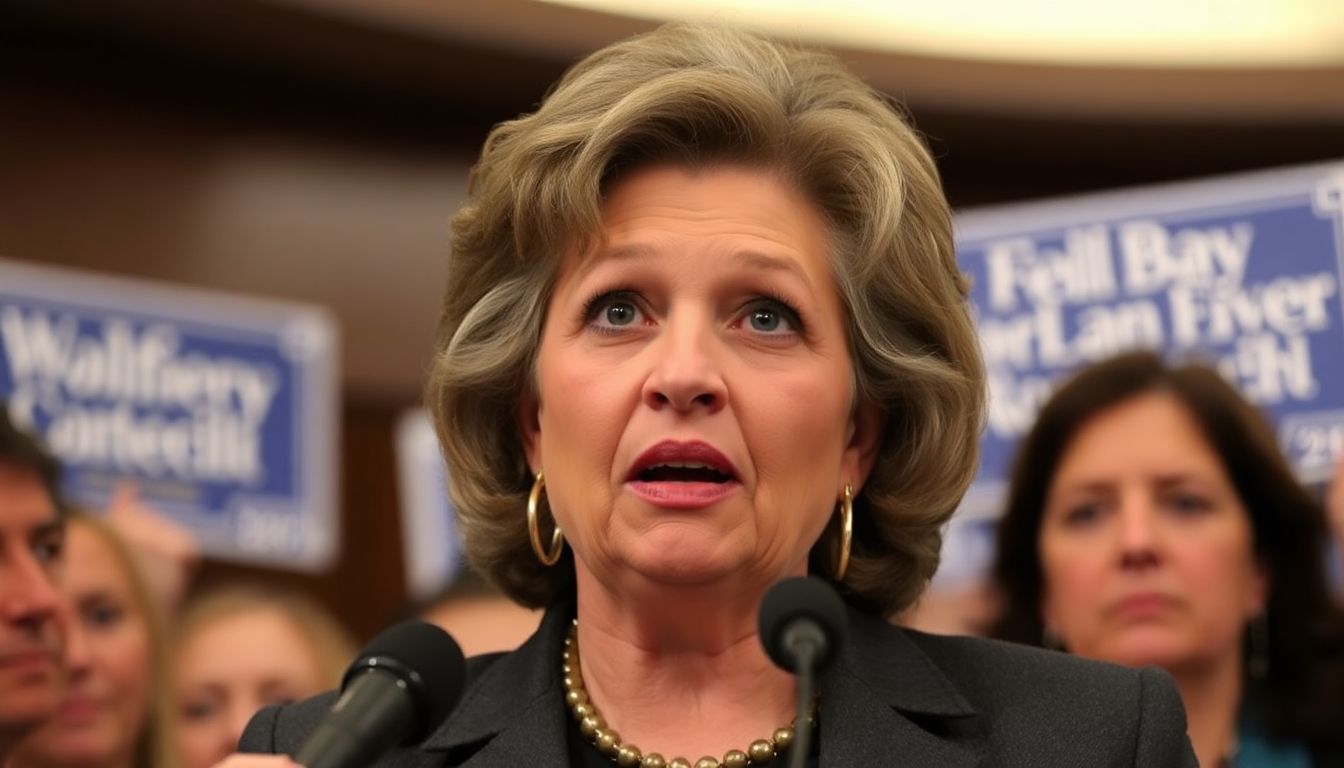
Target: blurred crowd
1151,520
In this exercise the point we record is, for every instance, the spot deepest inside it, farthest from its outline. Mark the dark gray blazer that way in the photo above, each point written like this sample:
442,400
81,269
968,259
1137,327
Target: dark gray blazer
894,697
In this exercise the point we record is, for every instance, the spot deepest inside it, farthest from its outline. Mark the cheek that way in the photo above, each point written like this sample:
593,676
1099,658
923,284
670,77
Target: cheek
795,425
1071,578
1224,572
128,659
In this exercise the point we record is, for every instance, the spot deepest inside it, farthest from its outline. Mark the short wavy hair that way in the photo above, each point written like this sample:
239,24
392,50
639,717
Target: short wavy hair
698,96
1302,695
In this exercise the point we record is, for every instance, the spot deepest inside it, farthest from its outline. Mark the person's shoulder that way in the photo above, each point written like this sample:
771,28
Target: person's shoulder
1083,706
999,670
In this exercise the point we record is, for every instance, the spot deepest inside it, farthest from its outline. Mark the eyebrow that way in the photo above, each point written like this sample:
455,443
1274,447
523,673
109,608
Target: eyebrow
44,530
1166,480
750,258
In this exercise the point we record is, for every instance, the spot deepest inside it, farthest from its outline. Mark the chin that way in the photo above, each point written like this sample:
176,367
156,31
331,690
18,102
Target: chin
25,711
681,566
79,755
1147,649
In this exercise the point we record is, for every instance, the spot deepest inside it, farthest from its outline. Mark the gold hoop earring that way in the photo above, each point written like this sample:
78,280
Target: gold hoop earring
846,532
557,537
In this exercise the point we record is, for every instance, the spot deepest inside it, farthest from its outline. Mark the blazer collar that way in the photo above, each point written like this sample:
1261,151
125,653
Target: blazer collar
883,698
886,701
516,704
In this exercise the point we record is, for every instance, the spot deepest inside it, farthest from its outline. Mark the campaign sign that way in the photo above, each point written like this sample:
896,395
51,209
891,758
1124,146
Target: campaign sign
222,410
431,544
1241,272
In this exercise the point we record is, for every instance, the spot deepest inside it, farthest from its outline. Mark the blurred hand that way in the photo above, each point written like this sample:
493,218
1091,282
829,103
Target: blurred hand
257,761
167,552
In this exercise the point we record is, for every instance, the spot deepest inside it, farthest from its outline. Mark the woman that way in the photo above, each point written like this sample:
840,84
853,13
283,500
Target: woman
240,648
1152,521
111,711
711,282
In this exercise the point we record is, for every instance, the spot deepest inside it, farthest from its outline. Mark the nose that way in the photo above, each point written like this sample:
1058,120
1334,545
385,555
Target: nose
28,598
78,653
686,374
1139,536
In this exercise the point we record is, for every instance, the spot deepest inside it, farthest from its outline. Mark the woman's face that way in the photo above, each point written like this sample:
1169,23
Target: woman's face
230,667
1146,549
106,701
696,418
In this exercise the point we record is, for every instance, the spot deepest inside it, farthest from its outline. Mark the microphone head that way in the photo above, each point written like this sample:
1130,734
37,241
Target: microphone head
801,599
429,663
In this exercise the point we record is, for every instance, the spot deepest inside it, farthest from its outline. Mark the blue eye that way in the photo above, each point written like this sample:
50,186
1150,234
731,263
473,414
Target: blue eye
772,317
765,320
620,313
612,310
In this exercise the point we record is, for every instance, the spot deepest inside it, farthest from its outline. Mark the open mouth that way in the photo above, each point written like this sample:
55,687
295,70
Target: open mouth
673,461
682,472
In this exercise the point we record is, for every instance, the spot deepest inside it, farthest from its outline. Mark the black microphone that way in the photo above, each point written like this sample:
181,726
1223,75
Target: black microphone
400,688
802,626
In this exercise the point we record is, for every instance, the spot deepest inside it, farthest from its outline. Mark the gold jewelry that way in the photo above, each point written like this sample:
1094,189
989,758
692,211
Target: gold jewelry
627,755
557,537
846,532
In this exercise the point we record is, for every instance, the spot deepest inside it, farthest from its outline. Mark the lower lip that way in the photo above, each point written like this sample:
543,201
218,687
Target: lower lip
674,495
77,710
1143,607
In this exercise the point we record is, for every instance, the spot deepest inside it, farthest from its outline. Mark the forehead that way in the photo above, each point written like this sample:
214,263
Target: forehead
92,562
1152,433
25,502
742,210
243,642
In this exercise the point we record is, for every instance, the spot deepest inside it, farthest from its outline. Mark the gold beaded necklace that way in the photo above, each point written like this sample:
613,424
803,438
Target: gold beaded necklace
627,755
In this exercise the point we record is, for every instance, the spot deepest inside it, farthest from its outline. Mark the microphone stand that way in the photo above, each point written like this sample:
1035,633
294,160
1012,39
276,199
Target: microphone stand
807,643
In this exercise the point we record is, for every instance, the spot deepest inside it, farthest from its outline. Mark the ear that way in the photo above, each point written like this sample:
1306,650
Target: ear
1047,612
866,429
528,416
1257,598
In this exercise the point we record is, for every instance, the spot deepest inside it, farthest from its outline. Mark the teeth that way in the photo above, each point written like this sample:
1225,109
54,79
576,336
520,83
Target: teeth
682,465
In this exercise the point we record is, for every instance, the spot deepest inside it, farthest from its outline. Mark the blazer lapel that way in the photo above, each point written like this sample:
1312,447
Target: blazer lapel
514,713
886,703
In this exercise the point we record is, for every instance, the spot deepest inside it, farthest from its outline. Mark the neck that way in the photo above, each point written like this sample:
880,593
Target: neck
680,670
1212,697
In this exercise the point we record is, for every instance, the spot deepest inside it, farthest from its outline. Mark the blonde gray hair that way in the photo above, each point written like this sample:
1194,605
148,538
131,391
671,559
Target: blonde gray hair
696,95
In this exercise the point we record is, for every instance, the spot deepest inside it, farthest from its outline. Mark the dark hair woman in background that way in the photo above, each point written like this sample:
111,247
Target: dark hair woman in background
1152,520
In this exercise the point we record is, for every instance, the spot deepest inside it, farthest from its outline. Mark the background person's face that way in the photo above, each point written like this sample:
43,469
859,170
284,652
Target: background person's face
31,538
229,668
106,700
1145,546
708,317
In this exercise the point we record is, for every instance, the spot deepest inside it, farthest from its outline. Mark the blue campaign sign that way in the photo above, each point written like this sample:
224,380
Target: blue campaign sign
431,544
1242,272
221,409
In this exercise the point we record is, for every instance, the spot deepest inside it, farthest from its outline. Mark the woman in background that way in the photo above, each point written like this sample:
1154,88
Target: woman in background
112,712
240,648
1152,520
